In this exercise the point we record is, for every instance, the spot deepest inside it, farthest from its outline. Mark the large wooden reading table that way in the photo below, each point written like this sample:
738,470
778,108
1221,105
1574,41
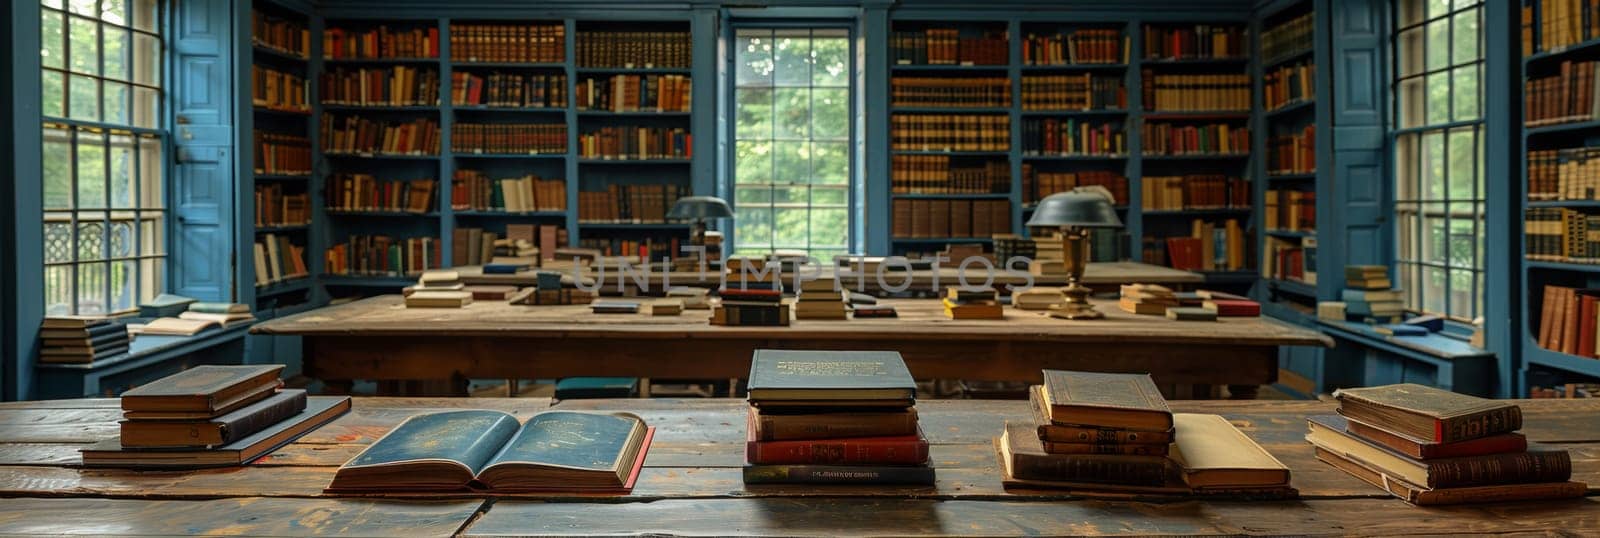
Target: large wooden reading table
691,484
380,339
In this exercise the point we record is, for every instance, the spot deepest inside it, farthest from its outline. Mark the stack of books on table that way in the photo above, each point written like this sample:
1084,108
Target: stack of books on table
833,417
693,298
752,303
439,289
1228,305
1432,446
821,299
1370,296
1148,299
972,304
80,339
212,416
1037,298
1050,257
1113,433
224,314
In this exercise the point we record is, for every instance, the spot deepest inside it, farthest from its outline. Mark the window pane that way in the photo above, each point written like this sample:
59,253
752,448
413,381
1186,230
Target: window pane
1405,167
754,117
1465,47
58,290
52,43
113,11
114,43
753,58
153,278
1412,100
829,227
151,193
830,113
832,62
1461,294
1410,52
58,238
57,166
1467,92
791,227
123,176
1437,8
144,14
830,163
91,170
53,90
152,234
821,196
792,54
84,45
752,194
792,164
116,101
1462,162
754,162
793,113
1437,48
91,235
92,289
1439,97
123,284
146,60
1432,171
84,98
1411,12
83,7
754,225
146,108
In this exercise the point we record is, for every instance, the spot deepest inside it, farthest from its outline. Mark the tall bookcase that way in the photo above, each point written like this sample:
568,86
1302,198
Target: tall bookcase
1560,205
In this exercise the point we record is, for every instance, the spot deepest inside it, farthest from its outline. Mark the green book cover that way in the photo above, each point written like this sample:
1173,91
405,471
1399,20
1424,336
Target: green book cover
781,374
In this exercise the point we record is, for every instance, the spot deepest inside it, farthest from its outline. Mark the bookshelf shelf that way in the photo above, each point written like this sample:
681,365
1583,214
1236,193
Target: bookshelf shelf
632,70
282,229
1292,177
344,213
1303,105
951,110
292,285
1196,157
956,153
1194,212
262,50
593,161
1564,266
1103,112
507,65
1565,203
1230,277
1304,54
391,156
1074,157
974,196
1292,234
1562,361
1561,128
1240,61
1197,115
951,68
507,214
1296,287
638,114
374,281
1563,51
939,240
631,225
281,112
509,155
380,108
387,61
510,109
1045,68
281,177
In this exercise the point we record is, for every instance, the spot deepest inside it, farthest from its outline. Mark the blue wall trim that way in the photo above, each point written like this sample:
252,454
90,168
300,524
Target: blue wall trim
24,289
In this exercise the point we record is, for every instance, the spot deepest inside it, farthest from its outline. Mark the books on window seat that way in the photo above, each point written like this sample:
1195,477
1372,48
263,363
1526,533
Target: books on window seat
1432,446
173,327
165,305
224,314
86,341
833,417
489,451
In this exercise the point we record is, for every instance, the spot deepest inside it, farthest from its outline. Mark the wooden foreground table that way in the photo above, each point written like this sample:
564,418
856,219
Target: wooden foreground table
691,484
380,339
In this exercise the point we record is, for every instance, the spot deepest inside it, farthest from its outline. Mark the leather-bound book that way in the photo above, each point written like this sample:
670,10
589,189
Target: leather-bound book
1427,413
1423,450
1536,465
218,431
774,425
1026,459
1422,496
1056,433
211,389
1119,401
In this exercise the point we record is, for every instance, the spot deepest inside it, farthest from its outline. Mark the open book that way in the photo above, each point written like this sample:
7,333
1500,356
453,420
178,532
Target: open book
485,450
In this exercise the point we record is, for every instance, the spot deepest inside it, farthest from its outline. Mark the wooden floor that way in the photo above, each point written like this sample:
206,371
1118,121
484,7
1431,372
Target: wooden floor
691,484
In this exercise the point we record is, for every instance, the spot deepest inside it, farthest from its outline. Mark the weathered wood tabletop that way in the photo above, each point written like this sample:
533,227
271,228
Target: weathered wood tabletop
379,338
1104,276
691,484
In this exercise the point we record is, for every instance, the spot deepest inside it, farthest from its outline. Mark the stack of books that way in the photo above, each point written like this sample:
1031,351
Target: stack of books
80,339
693,298
1149,299
1049,257
1369,294
1113,433
224,314
970,304
821,299
833,417
540,296
439,289
1431,446
210,416
1037,298
1229,305
749,299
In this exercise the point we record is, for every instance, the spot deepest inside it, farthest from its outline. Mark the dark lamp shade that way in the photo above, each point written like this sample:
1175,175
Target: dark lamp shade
1082,207
700,207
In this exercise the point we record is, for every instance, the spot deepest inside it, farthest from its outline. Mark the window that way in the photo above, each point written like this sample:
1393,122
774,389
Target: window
1438,156
792,141
103,201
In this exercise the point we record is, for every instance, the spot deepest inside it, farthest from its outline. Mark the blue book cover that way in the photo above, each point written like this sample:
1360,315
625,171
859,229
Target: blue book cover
793,375
504,268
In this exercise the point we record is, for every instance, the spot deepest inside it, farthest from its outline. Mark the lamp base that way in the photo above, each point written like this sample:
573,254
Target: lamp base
1076,311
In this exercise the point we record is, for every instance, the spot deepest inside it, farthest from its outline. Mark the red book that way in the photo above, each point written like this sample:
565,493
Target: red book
1586,313
1234,307
1504,443
896,450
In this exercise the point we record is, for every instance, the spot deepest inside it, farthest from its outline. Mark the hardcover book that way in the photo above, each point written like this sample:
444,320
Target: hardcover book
1211,453
489,450
319,410
218,431
1423,450
614,307
1536,465
820,376
1422,496
839,474
774,425
1024,458
1120,401
886,450
1428,413
1055,433
209,388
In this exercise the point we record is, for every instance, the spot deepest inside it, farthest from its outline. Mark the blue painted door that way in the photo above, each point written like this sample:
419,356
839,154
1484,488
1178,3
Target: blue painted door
202,244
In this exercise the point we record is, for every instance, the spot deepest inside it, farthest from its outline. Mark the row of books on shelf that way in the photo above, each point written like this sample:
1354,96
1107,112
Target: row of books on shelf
1208,247
1200,41
1085,91
915,219
949,132
1038,184
277,259
635,93
1196,93
1289,37
1561,234
936,174
380,42
629,143
636,204
475,246
1290,210
1564,174
654,249
380,86
381,255
509,138
1293,153
1565,97
634,49
946,46
1207,139
356,135
1283,259
1197,191
278,90
1081,46
275,207
1567,320
508,90
474,190
1289,84
511,43
280,34
1560,23
1071,136
364,192
281,154
950,92
1565,390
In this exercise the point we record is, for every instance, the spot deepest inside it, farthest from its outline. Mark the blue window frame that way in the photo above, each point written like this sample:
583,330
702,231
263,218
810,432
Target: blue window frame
103,154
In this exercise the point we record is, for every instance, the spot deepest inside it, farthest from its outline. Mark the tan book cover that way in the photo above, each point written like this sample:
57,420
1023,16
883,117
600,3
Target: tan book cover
1211,453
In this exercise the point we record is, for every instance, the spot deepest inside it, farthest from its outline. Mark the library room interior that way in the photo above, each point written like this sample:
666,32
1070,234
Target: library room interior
799,267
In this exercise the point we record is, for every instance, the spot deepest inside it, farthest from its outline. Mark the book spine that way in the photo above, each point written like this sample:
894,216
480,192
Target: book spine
1093,448
250,424
1500,469
1103,469
837,474
1491,422
845,451
833,426
1525,492
1068,434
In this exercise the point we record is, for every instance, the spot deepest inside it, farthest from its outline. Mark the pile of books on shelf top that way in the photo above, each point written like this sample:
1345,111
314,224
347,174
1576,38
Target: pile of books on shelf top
833,417
751,300
81,339
1431,446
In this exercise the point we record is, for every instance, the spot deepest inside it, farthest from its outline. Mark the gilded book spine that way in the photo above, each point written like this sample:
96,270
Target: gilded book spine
777,427
1105,448
908,450
1521,468
1484,424
1127,470
1069,434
